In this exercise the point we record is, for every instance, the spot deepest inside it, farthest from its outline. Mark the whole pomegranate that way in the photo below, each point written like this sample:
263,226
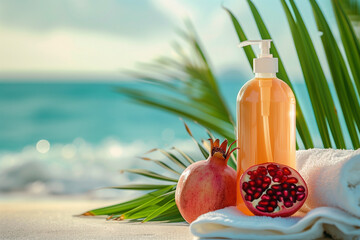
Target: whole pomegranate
273,190
207,185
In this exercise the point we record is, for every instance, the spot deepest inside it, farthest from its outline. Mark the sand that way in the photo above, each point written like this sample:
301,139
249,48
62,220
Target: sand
53,219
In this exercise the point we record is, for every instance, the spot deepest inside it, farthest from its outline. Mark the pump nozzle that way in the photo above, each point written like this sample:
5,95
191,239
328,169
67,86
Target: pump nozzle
264,63
264,46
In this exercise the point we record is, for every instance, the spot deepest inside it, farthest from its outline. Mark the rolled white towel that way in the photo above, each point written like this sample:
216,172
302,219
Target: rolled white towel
333,179
231,223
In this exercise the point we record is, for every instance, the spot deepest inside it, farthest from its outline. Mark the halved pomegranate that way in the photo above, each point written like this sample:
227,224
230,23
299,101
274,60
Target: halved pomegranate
272,189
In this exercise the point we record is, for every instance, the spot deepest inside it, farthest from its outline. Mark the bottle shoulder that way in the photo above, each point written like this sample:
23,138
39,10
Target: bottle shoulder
279,89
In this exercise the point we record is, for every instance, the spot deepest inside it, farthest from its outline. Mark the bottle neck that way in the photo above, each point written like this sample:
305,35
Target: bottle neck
265,75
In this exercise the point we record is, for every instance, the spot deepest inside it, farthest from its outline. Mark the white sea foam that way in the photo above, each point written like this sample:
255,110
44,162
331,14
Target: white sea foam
79,167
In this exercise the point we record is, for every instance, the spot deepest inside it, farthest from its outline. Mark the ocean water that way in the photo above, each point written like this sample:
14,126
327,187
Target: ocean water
90,133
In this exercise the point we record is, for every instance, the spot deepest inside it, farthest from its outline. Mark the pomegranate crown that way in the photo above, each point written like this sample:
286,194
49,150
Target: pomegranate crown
218,150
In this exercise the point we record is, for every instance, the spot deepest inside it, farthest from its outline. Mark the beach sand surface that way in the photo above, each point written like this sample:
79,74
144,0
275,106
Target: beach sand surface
54,219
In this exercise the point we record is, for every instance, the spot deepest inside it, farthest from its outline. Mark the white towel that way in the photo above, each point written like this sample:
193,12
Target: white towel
333,179
231,223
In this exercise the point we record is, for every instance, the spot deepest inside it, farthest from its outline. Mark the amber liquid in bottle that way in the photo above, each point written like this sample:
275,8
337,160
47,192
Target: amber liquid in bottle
259,135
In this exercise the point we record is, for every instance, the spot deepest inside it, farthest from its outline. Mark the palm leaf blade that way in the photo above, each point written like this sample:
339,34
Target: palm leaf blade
150,174
125,206
185,156
306,59
350,41
171,203
161,164
177,107
140,187
341,78
143,209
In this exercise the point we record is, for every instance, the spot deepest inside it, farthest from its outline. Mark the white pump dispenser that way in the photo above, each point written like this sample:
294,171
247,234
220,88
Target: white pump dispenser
264,63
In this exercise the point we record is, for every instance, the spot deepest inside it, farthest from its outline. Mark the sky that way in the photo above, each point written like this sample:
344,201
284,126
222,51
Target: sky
72,38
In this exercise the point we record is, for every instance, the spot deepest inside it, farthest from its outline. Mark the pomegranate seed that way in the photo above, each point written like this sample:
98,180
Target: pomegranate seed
264,185
279,193
276,179
249,197
259,190
245,186
257,195
276,187
267,179
300,196
288,204
263,203
265,197
280,198
284,185
253,189
263,209
301,189
292,180
272,167
274,197
272,173
258,182
292,186
252,183
250,173
279,173
269,192
292,199
270,209
286,193
249,191
273,203
261,168
292,192
284,178
286,171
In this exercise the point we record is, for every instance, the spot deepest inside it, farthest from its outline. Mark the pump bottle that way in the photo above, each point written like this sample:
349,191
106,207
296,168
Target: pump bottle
266,129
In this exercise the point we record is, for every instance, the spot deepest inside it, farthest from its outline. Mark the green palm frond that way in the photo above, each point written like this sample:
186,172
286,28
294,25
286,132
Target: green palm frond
127,206
318,88
140,187
159,204
352,10
341,77
162,164
350,42
150,174
185,86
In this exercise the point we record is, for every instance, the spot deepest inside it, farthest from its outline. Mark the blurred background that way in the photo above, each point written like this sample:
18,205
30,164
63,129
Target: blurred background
65,130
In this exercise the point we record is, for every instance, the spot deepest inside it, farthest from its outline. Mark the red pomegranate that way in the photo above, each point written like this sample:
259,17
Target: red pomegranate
273,190
207,185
